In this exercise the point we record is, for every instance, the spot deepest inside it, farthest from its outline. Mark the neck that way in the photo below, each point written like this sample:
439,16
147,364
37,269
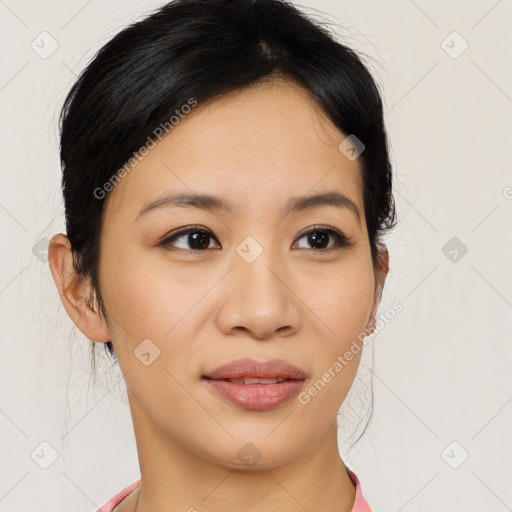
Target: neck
174,478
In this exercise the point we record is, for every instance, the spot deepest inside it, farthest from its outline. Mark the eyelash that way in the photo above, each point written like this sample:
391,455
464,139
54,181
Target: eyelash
342,240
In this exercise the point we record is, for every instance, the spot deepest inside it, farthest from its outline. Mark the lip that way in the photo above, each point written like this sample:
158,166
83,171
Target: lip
256,396
247,368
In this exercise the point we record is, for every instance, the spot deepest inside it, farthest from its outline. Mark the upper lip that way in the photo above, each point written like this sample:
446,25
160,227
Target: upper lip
249,368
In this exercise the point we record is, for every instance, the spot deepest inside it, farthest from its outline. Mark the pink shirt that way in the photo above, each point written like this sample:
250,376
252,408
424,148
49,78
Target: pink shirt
360,504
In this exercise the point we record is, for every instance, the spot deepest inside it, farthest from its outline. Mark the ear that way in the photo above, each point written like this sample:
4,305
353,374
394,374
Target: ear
75,291
380,278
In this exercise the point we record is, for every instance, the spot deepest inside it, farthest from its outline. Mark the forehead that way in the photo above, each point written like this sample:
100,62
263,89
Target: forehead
256,147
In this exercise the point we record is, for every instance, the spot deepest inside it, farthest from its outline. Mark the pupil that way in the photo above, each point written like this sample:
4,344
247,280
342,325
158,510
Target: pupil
315,238
197,240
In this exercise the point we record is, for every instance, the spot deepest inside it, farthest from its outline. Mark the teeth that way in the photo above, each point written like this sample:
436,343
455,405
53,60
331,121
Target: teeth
255,381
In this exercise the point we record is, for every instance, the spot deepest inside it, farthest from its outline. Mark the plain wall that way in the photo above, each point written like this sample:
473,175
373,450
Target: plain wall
442,366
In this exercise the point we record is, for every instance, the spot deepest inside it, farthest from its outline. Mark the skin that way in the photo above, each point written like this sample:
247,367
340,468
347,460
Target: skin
255,147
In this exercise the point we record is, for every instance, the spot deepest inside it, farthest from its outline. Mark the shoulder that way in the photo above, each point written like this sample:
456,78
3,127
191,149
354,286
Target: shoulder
360,503
112,502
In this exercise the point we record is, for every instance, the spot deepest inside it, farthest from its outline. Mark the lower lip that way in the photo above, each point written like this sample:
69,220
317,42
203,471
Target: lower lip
259,397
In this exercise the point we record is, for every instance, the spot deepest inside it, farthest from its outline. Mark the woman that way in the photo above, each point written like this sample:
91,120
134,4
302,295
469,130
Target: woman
227,185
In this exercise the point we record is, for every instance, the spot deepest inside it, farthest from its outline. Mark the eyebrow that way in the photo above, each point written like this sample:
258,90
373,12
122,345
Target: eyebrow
215,203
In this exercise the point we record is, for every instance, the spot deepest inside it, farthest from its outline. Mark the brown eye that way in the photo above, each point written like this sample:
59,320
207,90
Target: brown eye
197,239
190,239
319,237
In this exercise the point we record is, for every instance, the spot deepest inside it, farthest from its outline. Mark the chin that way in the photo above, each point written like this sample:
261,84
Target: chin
254,453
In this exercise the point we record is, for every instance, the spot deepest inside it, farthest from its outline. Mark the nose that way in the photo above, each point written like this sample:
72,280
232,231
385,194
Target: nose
259,300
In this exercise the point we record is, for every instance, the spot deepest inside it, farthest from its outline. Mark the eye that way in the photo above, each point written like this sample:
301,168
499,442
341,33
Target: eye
196,238
318,237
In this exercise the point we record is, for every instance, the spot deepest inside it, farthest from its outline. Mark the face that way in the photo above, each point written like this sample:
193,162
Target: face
259,281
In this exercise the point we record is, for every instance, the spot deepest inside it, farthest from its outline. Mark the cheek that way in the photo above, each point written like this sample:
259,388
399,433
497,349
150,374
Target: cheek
342,301
344,306
146,301
153,312
350,306
145,293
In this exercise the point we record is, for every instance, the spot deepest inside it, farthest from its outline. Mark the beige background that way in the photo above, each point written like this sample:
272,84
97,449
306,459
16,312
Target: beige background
442,370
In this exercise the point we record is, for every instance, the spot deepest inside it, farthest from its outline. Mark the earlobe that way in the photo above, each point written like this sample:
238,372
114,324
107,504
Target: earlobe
75,291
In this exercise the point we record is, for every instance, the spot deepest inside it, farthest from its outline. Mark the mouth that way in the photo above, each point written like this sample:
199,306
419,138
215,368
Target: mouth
256,386
251,381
